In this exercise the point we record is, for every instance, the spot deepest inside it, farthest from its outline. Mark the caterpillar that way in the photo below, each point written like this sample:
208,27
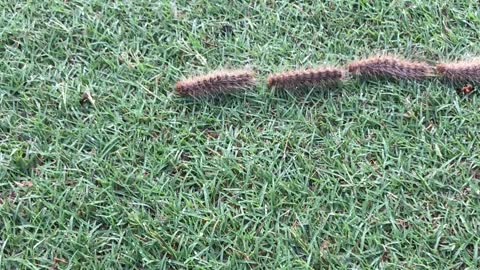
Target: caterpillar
389,66
460,71
217,82
296,78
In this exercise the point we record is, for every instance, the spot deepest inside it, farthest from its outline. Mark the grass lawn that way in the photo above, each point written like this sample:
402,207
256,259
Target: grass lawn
371,174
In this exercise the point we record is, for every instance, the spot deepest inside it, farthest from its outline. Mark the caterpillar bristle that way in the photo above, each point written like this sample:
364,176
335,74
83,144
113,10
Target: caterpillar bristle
460,71
218,82
308,77
390,66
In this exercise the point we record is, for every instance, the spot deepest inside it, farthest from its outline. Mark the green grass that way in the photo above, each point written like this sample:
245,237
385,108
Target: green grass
374,174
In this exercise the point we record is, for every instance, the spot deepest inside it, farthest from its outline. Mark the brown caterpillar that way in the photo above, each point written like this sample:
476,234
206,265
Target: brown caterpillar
296,78
389,66
461,71
217,82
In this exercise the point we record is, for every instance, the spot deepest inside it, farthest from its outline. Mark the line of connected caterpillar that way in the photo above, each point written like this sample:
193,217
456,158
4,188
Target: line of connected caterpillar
375,67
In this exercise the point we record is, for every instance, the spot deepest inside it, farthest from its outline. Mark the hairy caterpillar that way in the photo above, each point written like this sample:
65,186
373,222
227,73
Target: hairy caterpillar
460,71
217,82
389,66
296,78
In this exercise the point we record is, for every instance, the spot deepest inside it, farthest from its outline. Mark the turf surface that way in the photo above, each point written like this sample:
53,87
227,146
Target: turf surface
372,174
